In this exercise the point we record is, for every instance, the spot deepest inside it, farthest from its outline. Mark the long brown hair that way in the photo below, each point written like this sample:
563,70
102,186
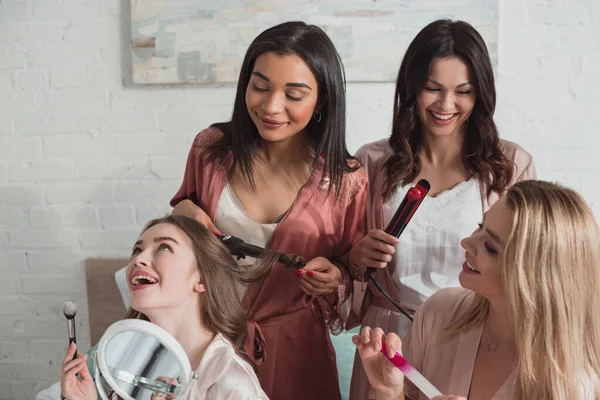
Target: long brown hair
551,273
482,155
327,136
221,307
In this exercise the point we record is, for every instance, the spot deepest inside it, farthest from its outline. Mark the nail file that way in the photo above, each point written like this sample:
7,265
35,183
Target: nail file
412,374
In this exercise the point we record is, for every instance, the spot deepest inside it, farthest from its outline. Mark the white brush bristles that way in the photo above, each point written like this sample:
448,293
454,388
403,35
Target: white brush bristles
69,309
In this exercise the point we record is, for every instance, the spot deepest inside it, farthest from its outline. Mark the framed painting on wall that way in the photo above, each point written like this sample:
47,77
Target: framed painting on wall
191,41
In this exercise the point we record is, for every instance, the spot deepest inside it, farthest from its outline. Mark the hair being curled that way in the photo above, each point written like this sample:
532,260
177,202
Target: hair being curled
221,307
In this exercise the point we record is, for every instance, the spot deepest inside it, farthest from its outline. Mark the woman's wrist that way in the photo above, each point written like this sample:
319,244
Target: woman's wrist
358,273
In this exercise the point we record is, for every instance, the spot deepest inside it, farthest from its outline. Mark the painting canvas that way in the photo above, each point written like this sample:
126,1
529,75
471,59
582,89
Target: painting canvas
204,41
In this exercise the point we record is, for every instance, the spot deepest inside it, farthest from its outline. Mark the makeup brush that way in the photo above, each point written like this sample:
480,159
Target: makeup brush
70,310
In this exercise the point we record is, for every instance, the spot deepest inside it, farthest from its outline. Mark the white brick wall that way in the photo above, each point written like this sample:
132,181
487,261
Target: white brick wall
85,161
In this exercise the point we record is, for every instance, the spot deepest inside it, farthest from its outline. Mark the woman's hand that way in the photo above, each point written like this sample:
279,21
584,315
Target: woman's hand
374,250
187,208
449,397
162,396
319,277
73,388
385,377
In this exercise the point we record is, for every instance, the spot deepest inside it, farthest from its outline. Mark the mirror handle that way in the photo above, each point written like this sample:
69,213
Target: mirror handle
97,379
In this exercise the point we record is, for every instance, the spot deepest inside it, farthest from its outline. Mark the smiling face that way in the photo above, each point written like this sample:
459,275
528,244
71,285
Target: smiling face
481,270
162,272
447,99
281,96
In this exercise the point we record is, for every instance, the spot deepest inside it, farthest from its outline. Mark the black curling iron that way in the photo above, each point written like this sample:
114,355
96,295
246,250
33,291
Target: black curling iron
401,218
241,249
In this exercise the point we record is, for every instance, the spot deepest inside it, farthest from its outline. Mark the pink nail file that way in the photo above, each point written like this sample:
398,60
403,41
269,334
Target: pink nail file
412,374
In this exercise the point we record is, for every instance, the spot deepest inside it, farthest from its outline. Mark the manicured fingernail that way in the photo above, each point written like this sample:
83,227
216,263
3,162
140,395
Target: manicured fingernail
299,272
309,273
391,353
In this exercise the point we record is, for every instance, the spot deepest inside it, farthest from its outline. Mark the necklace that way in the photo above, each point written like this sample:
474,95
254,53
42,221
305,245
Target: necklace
492,346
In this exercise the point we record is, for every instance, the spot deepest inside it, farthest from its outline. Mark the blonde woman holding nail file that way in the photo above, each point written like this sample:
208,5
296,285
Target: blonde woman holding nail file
526,322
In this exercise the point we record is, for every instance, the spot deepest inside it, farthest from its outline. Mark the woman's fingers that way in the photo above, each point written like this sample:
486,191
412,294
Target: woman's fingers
357,340
384,237
375,250
371,255
212,227
319,277
311,290
70,353
73,363
85,372
73,370
393,344
365,334
381,247
367,257
377,338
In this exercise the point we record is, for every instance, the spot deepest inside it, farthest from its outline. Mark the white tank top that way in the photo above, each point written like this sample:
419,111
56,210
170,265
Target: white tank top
231,219
429,256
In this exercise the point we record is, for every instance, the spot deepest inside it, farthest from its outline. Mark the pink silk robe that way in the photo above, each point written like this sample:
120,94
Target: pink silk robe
286,325
448,364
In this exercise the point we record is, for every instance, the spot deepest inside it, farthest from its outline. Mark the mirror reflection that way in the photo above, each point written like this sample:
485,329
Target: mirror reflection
142,366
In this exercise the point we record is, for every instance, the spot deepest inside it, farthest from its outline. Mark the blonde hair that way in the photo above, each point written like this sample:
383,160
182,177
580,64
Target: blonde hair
551,273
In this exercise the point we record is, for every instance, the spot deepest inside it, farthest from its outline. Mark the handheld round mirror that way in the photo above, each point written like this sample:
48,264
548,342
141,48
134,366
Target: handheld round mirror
139,359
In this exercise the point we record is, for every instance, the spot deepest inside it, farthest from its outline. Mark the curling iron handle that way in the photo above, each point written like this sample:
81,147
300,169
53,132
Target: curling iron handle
404,213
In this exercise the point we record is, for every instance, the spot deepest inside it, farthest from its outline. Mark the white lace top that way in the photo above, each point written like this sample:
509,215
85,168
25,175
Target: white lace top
429,256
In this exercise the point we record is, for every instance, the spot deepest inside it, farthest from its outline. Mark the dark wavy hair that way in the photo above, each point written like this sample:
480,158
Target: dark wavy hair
221,307
328,136
482,155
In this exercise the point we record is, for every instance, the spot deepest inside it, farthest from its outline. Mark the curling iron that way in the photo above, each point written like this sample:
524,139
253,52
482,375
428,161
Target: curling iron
241,249
401,218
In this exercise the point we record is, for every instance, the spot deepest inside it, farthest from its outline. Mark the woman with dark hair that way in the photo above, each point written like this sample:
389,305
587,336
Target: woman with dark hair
278,175
183,279
443,131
